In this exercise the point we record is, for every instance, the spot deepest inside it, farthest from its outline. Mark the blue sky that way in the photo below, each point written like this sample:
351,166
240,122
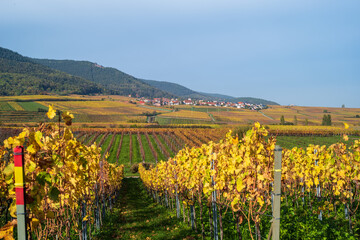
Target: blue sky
290,51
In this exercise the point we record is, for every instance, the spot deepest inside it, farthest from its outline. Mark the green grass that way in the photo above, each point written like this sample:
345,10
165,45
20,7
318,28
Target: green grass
124,152
149,157
99,138
106,143
136,150
124,155
136,216
157,149
114,148
294,141
81,139
32,106
168,149
88,138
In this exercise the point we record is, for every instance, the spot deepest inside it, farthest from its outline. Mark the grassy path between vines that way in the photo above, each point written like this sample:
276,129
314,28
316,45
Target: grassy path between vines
137,216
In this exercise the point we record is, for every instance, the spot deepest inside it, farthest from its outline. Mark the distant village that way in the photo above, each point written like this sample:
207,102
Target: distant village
175,102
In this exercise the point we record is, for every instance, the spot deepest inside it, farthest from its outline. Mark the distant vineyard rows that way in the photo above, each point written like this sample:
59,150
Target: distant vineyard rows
129,146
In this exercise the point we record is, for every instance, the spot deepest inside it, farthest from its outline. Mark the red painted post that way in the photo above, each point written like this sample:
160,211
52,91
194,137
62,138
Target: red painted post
20,192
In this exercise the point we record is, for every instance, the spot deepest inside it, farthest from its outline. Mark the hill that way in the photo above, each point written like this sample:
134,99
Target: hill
185,92
254,101
115,81
176,89
20,76
219,96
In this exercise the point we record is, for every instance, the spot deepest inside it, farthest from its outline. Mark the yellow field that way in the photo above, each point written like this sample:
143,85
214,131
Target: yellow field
242,116
118,110
97,107
188,115
314,115
69,97
106,125
272,115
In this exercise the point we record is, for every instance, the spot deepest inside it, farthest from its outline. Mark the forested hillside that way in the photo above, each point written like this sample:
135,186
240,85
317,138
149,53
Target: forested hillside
175,89
21,76
115,81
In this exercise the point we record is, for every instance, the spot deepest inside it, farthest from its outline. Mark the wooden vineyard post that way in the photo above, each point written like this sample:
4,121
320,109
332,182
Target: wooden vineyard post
277,193
20,192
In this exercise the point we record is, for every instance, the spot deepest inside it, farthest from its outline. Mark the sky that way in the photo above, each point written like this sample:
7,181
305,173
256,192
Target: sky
300,52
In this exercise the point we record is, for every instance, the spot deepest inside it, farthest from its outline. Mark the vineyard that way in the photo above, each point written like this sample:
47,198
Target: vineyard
224,188
129,146
230,184
66,181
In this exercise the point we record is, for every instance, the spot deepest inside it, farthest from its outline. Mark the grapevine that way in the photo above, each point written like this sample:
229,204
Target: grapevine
242,173
61,174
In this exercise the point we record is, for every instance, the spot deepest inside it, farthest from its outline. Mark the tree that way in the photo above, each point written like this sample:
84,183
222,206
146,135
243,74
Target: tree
282,120
343,106
295,120
306,122
326,121
329,120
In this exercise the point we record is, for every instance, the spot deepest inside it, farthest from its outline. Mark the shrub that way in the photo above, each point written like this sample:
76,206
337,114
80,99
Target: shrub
135,167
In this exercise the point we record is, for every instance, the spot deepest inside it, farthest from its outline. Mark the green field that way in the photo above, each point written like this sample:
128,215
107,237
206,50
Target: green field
114,148
149,157
167,148
32,106
136,150
295,141
106,143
